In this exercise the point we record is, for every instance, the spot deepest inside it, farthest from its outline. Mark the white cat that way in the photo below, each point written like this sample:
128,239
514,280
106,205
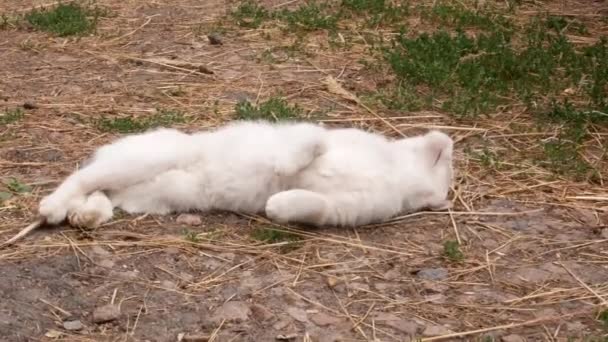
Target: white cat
295,172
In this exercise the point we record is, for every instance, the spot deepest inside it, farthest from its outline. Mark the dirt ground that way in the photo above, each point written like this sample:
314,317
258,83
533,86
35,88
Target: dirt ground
535,263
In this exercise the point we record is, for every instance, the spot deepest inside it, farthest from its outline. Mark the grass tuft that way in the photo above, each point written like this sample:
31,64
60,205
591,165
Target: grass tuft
274,236
191,236
309,17
163,118
249,14
378,12
452,252
64,19
273,109
14,185
11,116
603,317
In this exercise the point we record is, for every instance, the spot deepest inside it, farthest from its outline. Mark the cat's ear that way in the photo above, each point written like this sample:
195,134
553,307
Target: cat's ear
438,147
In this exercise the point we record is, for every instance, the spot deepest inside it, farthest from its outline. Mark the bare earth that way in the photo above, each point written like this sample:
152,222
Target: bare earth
535,261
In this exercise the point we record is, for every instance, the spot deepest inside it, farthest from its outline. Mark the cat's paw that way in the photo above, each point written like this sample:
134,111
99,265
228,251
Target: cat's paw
91,214
278,208
87,219
53,209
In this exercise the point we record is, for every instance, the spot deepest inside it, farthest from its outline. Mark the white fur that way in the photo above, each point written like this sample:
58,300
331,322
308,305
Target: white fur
296,172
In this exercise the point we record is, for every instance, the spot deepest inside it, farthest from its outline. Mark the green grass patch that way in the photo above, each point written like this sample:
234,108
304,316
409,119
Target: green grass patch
288,241
562,24
163,118
456,15
273,109
452,252
603,317
191,236
250,14
474,75
377,12
309,17
16,186
64,19
11,116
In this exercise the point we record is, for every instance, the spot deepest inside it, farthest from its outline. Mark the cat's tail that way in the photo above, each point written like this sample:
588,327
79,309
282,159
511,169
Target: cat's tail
439,147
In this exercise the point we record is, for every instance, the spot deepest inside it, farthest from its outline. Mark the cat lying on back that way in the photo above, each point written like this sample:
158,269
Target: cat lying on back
294,172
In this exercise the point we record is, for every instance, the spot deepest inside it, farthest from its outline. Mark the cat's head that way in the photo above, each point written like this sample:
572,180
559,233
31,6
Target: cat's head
430,155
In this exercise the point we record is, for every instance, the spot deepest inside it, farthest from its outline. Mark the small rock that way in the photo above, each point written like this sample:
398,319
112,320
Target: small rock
100,251
321,319
298,314
436,298
533,275
215,38
235,311
513,338
404,326
187,277
260,312
107,263
73,325
286,337
392,274
189,219
436,330
604,233
30,105
433,273
126,275
282,324
332,281
167,284
575,326
106,313
385,317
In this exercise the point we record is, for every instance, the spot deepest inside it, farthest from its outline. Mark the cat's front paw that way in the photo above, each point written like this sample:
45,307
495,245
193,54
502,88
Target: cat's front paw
53,209
96,210
86,219
277,209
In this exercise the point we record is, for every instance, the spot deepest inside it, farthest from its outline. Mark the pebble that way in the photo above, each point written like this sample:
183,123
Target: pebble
189,219
30,105
215,38
107,263
532,275
435,330
73,325
106,313
433,273
332,281
282,324
167,284
404,326
321,319
261,313
100,251
513,338
235,311
298,314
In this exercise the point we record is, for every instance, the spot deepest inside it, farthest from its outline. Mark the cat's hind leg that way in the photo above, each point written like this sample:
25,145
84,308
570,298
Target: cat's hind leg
336,209
116,166
297,206
94,211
